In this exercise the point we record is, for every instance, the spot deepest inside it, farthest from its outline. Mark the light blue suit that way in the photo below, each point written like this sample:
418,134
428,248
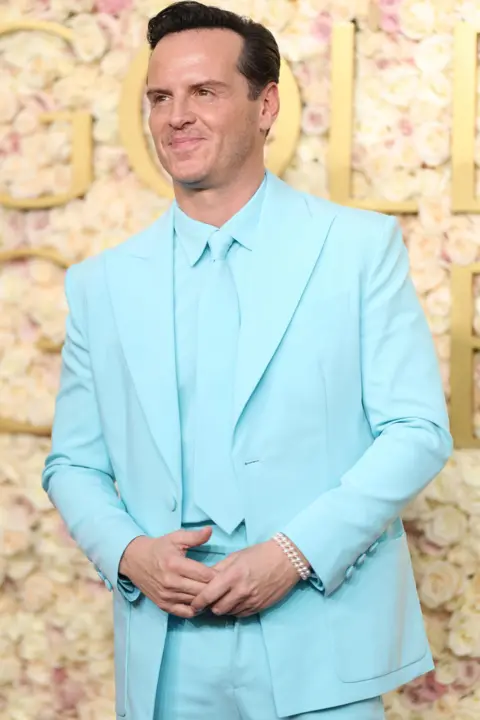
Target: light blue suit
340,421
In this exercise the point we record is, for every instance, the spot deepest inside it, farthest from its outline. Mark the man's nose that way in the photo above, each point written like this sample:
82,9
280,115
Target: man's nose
181,113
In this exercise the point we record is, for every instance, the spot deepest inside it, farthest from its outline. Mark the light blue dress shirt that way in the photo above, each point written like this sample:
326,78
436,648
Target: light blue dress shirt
191,263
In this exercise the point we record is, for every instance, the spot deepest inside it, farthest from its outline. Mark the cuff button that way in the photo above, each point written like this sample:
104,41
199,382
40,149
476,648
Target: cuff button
349,572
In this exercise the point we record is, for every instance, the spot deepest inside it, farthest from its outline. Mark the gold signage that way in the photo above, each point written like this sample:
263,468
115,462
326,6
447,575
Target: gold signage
7,425
464,119
464,344
82,147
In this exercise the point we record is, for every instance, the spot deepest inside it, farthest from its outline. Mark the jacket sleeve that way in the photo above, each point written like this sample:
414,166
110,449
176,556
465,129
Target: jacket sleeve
78,475
404,403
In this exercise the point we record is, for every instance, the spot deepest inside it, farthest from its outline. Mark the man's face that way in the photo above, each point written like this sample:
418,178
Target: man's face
204,125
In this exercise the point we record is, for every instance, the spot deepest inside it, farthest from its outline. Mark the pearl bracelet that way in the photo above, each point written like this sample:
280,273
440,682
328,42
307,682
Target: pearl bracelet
292,554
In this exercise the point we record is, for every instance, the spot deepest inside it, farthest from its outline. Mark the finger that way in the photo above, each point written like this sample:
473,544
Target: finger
194,570
212,593
226,604
225,563
189,587
178,598
191,538
181,610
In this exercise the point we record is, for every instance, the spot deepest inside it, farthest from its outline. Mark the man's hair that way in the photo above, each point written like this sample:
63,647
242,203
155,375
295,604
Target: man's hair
259,61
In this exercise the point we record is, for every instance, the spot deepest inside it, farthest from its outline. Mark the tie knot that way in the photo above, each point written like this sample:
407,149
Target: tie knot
219,244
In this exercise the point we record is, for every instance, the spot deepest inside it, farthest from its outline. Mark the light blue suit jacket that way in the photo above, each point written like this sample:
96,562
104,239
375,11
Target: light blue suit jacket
340,421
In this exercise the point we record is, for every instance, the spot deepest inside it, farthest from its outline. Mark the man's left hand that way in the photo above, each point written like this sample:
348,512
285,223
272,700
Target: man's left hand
248,581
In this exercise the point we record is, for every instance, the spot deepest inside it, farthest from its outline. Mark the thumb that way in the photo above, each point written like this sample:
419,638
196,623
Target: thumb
192,538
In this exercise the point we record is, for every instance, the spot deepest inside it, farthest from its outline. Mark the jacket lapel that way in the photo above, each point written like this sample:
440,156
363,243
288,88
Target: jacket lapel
288,244
140,276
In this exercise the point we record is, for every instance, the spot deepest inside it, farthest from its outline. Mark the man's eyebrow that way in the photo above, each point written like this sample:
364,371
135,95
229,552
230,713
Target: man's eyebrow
194,86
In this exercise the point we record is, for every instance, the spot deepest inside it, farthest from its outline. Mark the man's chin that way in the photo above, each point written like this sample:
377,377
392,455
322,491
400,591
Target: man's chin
196,179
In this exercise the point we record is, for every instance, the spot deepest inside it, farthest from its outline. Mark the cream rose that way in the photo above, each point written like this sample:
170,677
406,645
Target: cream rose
438,302
417,18
434,54
464,636
90,42
447,526
440,584
432,143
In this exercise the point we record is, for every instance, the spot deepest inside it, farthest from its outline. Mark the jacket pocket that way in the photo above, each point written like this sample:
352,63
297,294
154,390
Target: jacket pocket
121,615
375,617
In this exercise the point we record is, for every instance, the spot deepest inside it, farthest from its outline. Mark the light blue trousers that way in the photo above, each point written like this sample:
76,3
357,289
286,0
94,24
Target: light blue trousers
216,668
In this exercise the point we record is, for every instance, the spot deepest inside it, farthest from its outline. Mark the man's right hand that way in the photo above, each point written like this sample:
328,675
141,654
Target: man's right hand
159,568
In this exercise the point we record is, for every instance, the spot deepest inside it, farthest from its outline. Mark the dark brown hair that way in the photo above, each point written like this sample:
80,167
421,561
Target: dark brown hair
259,61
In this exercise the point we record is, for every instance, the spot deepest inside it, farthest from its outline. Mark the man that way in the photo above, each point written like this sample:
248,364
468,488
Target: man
249,398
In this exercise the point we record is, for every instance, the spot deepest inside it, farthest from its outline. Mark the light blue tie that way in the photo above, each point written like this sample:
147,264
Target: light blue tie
216,490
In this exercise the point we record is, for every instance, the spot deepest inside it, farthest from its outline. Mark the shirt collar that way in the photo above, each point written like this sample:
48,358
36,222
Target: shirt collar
194,235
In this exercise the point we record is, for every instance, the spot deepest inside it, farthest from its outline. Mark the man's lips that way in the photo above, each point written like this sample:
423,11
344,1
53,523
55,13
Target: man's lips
184,143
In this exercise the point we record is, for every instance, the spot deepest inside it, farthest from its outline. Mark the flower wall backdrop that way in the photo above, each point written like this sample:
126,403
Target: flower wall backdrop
55,616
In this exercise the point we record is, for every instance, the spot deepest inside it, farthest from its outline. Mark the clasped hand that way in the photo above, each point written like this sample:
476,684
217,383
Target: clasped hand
248,581
242,584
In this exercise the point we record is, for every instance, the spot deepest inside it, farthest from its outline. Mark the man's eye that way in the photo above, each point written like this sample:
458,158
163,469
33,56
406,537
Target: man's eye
204,91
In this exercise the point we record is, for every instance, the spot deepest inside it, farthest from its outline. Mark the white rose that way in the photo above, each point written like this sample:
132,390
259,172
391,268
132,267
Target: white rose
446,668
116,63
437,90
469,11
428,277
274,15
434,54
434,213
464,637
38,592
464,556
90,42
434,182
439,301
461,247
423,245
401,85
417,18
446,526
432,143
440,583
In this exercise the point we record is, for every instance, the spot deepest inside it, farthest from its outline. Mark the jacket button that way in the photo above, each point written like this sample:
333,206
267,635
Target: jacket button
349,572
174,504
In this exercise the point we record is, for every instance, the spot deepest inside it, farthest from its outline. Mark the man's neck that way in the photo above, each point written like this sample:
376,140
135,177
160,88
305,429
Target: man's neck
216,206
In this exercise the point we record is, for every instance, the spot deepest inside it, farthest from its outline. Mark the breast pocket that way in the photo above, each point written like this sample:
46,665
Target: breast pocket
375,618
121,614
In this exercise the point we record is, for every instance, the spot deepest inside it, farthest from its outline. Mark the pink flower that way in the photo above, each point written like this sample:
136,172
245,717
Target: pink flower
112,7
468,676
424,691
405,126
322,27
388,5
390,23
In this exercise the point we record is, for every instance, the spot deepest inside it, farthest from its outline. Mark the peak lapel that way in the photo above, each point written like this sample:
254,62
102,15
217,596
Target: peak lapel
287,246
140,277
